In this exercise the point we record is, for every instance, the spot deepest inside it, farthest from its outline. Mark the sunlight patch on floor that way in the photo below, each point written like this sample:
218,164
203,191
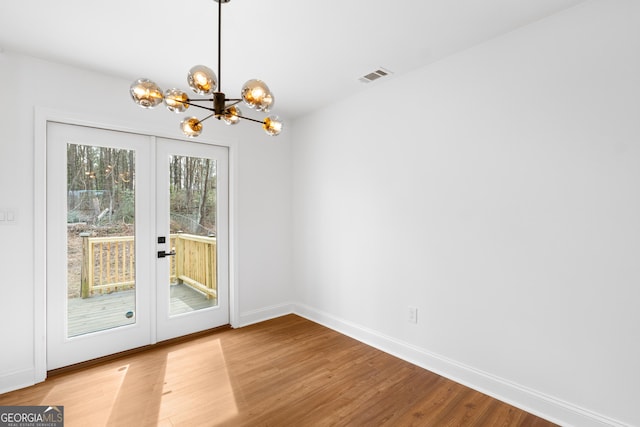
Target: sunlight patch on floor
88,403
193,397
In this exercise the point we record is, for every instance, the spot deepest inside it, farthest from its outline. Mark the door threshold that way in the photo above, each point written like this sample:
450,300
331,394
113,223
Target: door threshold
122,354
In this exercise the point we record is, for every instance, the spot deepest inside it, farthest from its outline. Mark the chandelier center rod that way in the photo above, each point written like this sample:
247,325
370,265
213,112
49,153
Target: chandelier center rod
219,43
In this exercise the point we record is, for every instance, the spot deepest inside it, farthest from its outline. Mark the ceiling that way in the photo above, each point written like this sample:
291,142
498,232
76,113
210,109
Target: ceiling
310,53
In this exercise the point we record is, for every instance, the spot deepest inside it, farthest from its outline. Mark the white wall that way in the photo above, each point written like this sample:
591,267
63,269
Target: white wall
262,209
498,192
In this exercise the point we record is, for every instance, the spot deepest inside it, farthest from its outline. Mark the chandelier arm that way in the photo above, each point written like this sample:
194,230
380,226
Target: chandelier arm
208,117
196,105
235,102
251,120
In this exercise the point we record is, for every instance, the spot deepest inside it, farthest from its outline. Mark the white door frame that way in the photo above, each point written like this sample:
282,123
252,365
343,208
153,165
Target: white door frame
44,115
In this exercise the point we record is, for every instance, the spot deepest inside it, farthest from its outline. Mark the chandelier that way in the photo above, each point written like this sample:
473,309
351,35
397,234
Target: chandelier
203,81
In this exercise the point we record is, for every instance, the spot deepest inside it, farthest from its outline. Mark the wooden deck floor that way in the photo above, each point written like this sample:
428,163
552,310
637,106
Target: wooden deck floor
108,311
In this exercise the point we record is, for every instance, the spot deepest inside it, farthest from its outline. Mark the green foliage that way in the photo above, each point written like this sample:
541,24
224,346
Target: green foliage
127,206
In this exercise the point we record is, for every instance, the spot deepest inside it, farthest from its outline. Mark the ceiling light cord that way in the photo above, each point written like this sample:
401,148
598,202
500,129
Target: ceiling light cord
219,45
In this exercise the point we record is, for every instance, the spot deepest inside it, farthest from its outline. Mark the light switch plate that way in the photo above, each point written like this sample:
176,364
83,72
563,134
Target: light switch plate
8,216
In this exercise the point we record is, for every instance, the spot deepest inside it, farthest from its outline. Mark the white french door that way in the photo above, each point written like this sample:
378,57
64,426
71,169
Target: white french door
137,241
192,221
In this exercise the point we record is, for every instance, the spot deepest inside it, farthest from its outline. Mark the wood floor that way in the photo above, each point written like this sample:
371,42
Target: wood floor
283,372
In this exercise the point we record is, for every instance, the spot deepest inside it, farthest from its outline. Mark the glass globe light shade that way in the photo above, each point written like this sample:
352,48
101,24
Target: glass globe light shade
202,80
272,125
254,92
146,93
191,127
266,104
175,100
231,115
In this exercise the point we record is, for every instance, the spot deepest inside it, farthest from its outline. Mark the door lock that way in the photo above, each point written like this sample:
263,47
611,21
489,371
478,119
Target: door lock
162,254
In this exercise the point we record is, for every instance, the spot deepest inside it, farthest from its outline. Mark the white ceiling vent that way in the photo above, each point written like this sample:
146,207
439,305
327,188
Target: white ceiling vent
375,75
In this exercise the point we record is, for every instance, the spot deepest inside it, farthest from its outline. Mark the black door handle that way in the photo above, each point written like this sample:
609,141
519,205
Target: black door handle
162,254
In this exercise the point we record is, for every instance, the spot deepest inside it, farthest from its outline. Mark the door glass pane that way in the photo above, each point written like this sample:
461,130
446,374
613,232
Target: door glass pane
100,238
192,205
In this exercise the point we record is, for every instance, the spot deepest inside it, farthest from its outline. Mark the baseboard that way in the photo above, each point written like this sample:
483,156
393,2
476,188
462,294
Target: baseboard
534,402
544,406
11,381
262,314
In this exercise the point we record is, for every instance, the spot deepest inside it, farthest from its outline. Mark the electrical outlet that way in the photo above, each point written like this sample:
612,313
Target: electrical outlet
412,315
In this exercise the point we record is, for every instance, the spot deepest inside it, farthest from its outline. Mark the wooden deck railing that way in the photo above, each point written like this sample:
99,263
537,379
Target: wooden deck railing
108,263
195,262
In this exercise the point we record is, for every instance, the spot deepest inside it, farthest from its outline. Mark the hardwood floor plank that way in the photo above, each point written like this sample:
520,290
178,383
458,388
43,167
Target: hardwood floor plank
283,372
